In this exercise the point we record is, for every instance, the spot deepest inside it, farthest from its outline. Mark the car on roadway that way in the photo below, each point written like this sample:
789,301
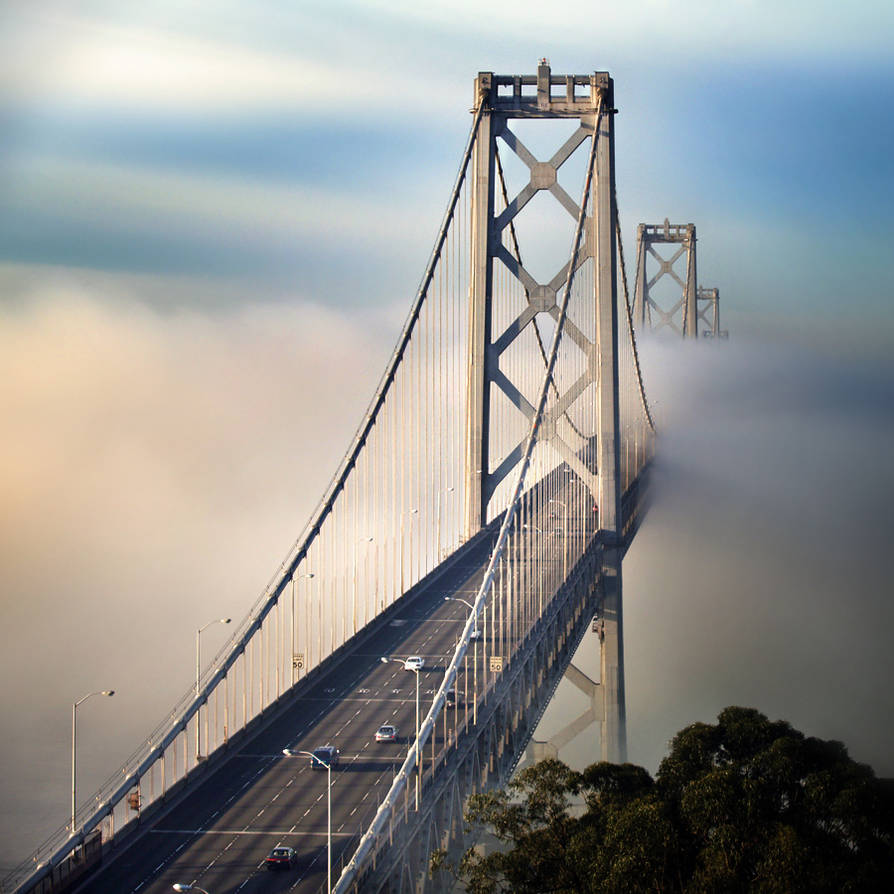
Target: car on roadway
386,733
414,663
454,697
281,858
475,634
324,756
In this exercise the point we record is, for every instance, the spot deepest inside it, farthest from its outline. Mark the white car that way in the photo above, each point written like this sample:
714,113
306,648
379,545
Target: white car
475,634
414,663
386,733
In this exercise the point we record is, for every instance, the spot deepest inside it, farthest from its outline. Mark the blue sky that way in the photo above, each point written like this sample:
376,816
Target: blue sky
204,207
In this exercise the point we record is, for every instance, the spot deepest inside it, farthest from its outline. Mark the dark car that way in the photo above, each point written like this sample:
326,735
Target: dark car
324,756
454,697
281,858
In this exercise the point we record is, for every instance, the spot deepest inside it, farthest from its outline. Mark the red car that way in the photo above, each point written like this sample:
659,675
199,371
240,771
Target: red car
281,858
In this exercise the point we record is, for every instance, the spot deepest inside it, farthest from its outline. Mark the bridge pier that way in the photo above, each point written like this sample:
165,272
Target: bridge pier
614,723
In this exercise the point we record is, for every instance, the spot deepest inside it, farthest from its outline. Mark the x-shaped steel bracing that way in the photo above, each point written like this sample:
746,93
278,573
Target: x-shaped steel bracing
541,298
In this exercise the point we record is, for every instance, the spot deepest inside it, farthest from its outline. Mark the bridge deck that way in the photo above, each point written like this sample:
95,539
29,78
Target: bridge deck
219,835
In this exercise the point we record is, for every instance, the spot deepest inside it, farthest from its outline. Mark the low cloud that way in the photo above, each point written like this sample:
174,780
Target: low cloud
195,65
154,470
761,574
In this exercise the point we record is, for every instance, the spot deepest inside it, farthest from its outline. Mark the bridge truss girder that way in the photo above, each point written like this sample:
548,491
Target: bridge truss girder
682,316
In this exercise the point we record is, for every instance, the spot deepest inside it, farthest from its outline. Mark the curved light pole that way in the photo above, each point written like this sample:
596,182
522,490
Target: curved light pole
474,659
289,753
74,748
415,670
309,575
199,674
179,886
564,537
354,582
401,550
438,532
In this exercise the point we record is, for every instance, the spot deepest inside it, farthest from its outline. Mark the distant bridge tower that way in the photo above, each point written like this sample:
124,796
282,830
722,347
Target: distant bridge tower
710,301
590,100
681,316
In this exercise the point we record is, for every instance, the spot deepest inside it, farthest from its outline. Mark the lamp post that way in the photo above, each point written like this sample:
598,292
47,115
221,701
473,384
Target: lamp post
564,537
74,749
474,659
179,886
354,582
199,674
401,556
309,575
289,753
438,533
418,761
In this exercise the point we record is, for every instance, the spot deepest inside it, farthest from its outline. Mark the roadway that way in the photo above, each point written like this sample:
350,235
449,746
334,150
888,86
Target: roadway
218,836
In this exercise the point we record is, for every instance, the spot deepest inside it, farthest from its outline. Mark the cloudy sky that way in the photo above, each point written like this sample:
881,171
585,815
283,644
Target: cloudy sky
203,208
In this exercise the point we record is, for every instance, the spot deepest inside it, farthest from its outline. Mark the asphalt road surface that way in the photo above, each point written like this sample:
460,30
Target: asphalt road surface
218,836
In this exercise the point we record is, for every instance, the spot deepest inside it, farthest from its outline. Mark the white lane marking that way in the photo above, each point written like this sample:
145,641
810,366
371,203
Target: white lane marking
246,831
237,832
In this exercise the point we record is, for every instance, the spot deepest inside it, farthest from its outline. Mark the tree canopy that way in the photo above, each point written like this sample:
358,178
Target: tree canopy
743,805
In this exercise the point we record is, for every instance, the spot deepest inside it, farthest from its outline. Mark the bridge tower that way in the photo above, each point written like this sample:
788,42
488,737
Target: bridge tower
681,316
590,100
709,299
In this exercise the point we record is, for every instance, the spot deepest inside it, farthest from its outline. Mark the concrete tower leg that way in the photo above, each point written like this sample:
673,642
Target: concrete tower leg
609,457
480,302
640,287
690,327
614,723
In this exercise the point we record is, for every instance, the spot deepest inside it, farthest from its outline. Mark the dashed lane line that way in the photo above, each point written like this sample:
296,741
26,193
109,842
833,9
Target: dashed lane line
257,833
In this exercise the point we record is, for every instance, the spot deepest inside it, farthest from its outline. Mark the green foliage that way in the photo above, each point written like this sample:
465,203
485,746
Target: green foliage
743,805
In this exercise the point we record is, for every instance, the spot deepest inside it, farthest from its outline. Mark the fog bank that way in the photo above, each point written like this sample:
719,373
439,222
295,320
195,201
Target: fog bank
154,470
761,575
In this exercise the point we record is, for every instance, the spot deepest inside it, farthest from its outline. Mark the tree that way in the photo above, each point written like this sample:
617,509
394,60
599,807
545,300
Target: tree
743,805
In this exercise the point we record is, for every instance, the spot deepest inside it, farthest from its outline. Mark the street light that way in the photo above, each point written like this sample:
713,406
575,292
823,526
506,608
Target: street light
401,551
415,670
289,753
438,516
179,886
199,673
474,659
309,575
74,749
354,581
564,537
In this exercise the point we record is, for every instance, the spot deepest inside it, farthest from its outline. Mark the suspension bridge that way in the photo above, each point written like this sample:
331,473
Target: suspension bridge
477,521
